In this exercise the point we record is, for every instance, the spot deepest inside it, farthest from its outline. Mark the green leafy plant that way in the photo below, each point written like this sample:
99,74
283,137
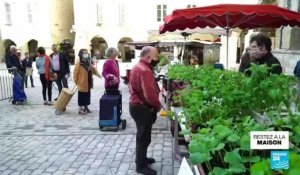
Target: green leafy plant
163,60
263,167
221,104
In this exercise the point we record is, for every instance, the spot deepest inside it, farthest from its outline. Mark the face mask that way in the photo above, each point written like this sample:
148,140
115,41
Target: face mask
154,62
85,55
257,54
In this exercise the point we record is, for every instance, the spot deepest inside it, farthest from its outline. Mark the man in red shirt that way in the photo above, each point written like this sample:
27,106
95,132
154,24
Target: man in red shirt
144,105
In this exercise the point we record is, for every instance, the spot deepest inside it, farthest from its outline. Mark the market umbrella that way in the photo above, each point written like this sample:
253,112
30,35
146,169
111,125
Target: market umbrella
228,16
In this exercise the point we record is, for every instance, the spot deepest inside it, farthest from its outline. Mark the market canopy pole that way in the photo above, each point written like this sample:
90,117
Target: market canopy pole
184,34
227,47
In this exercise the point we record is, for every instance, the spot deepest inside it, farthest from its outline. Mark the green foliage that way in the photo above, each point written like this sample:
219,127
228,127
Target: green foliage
200,157
222,104
163,60
263,167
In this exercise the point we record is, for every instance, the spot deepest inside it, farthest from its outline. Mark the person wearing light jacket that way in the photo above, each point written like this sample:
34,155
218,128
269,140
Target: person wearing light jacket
82,76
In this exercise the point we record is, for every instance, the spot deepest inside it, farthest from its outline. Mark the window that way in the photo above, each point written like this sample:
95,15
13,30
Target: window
191,6
161,12
29,13
121,14
99,15
288,4
8,13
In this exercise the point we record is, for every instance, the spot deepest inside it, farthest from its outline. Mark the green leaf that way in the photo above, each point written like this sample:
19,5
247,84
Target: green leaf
258,127
213,142
197,147
198,158
246,120
219,147
204,130
237,168
296,138
297,130
233,157
261,168
294,171
222,131
294,159
251,159
274,94
213,122
233,138
219,171
245,143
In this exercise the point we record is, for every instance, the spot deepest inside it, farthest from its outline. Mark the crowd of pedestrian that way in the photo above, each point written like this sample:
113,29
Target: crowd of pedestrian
55,68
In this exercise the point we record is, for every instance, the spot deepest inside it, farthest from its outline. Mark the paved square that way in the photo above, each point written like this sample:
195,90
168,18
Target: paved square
36,141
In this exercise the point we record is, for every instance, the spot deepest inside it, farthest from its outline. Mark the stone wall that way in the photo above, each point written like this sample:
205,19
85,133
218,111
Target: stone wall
288,59
62,19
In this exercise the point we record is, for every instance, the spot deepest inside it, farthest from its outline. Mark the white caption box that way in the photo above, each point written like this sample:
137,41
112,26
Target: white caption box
269,140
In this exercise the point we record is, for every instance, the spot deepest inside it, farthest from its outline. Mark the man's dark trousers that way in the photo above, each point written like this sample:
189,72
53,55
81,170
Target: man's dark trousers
61,81
144,118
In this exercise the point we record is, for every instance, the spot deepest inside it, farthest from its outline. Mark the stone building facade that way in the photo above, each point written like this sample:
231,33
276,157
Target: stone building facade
32,23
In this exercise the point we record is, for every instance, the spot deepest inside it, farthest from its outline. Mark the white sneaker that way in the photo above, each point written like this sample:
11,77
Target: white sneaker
50,103
45,103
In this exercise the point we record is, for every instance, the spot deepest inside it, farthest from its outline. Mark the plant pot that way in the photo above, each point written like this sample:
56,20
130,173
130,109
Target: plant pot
181,141
200,170
172,127
194,128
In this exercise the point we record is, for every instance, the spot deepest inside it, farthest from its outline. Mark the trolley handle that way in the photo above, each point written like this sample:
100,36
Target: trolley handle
75,88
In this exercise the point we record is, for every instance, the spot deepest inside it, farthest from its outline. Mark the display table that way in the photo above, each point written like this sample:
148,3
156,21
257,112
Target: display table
180,119
177,113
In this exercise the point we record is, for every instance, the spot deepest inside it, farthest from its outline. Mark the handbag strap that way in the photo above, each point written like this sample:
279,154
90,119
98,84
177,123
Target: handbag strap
47,65
75,88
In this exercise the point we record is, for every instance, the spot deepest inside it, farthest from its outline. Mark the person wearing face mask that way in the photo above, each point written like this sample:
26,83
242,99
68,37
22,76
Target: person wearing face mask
110,71
12,60
260,53
143,105
82,76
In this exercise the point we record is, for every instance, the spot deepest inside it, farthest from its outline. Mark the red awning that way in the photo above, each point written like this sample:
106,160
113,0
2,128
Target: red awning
230,16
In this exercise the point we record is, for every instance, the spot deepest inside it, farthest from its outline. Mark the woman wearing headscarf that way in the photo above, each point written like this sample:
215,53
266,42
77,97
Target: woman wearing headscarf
111,72
82,76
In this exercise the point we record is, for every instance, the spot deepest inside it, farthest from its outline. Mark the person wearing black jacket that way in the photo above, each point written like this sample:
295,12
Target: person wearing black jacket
61,67
23,68
12,60
260,53
27,63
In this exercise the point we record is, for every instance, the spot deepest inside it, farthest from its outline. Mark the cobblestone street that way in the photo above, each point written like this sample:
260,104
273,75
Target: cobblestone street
36,141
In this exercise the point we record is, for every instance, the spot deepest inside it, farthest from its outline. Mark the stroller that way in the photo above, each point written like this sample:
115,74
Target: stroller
19,96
